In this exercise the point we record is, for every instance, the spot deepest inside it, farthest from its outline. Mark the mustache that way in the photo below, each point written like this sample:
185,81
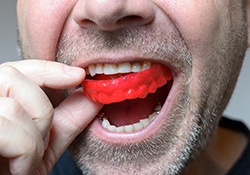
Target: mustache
147,43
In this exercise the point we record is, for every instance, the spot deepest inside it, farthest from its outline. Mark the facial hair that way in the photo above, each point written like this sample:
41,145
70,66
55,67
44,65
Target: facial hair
191,123
170,149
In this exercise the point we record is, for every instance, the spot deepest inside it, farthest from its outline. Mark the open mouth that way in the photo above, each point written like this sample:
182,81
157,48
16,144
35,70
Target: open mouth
133,93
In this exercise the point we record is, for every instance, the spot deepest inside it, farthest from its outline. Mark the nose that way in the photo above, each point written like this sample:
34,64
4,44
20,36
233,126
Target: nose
111,15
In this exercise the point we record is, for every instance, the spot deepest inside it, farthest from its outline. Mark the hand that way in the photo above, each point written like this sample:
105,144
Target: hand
33,134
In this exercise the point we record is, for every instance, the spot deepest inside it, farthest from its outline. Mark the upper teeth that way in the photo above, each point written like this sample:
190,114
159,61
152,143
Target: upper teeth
109,69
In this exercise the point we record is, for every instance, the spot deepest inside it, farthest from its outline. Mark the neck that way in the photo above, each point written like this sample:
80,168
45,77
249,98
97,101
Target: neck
220,155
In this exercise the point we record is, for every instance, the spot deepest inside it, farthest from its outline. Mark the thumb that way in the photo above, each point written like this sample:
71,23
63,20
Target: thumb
71,117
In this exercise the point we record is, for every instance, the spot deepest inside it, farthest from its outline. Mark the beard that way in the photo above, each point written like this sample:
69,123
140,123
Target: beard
95,156
191,122
166,152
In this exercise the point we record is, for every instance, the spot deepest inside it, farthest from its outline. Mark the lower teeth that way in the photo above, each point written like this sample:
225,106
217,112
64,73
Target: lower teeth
132,127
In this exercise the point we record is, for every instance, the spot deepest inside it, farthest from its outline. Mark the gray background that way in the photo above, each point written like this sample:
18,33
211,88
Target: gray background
238,108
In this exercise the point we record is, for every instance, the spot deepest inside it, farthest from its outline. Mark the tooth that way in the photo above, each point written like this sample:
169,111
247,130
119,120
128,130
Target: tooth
124,68
136,67
111,128
92,70
145,122
158,108
99,69
105,123
137,126
146,65
119,129
128,128
110,69
152,116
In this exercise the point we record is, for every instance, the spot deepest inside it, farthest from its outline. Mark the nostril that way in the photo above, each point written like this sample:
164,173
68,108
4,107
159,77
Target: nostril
129,20
115,24
87,22
108,15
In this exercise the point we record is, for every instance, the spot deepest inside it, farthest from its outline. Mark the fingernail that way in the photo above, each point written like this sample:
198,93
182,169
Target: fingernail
73,71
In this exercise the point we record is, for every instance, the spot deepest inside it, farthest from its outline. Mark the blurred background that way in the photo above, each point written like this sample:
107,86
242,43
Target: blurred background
238,108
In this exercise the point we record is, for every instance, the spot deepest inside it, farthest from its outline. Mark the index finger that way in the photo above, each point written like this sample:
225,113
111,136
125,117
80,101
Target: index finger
49,73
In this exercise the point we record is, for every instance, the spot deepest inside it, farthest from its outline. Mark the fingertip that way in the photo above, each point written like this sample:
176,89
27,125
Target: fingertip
74,71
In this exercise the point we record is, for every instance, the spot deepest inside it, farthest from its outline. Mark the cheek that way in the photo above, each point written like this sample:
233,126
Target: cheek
200,24
40,24
197,20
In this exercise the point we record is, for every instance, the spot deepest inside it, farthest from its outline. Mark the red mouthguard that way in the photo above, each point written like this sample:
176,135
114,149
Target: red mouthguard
130,86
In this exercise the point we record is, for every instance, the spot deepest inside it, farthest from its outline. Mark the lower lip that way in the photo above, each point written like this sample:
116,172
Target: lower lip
135,137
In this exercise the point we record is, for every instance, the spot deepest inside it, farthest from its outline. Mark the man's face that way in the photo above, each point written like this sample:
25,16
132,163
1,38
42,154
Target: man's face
201,42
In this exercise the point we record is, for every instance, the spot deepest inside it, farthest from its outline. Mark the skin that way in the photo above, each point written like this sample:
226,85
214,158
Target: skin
209,39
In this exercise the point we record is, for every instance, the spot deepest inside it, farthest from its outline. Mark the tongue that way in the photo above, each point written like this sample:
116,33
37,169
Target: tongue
131,111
